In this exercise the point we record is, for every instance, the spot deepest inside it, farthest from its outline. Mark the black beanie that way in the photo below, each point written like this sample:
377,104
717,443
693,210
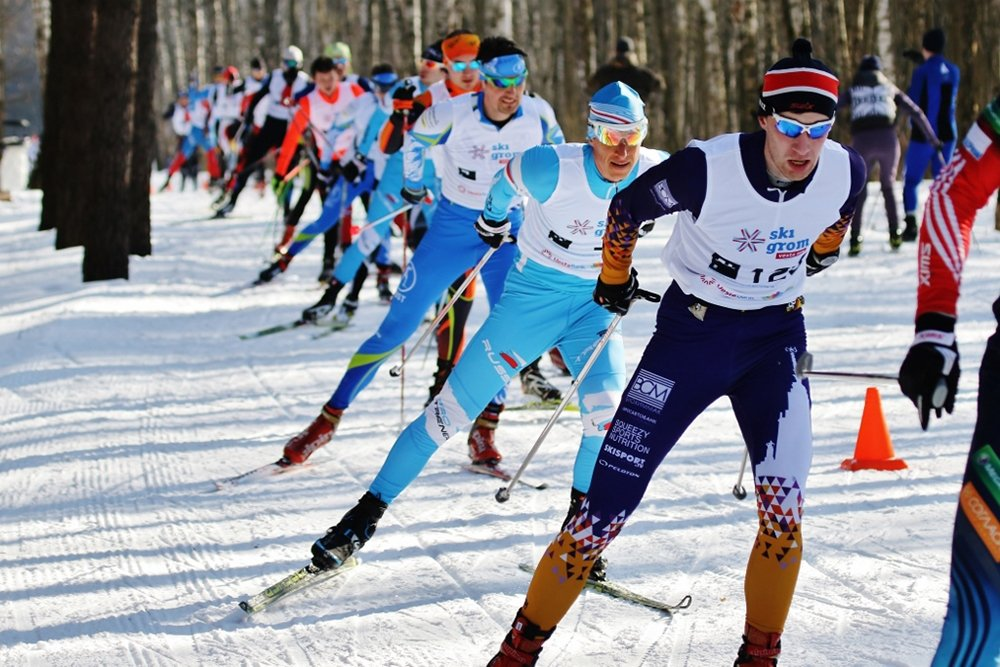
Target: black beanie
934,40
799,84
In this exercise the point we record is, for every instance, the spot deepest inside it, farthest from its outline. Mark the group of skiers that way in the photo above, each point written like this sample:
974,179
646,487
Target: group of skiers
463,158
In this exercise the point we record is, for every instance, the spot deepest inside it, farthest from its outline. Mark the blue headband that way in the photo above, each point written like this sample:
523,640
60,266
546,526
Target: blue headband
505,67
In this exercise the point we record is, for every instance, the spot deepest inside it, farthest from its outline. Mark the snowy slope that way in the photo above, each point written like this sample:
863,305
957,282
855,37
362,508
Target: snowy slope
120,402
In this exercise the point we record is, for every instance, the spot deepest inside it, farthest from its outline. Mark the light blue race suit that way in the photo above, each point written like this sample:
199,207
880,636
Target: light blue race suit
547,301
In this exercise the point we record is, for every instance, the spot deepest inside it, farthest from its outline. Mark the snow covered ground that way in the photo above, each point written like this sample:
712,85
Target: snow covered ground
121,402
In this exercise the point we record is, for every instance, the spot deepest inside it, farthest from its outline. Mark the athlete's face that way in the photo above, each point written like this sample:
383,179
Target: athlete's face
614,162
327,81
792,159
431,72
502,103
468,78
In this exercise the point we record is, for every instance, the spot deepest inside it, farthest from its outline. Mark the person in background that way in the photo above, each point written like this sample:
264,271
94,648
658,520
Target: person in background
934,87
874,102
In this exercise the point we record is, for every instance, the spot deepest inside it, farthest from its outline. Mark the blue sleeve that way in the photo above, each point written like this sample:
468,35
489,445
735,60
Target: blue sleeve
375,123
305,91
917,85
534,173
678,183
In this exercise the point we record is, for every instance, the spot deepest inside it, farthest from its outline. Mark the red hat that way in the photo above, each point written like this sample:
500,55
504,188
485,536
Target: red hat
799,84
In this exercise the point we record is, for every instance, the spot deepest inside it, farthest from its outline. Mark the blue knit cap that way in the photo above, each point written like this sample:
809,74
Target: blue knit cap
617,104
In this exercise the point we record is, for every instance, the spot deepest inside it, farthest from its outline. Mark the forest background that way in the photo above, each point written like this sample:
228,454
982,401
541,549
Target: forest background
109,68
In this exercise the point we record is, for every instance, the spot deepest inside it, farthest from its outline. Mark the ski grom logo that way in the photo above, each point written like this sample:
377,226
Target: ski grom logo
650,389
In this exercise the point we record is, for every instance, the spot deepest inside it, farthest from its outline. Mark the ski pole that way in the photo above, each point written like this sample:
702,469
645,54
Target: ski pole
738,489
389,216
397,369
503,493
803,368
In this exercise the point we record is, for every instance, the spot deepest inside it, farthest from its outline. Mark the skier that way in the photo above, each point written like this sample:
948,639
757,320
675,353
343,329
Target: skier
929,377
934,86
321,110
873,100
199,109
547,301
754,220
227,104
352,178
466,127
180,123
281,87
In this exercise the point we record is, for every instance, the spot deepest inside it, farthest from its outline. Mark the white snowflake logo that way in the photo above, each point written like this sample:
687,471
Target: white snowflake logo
581,227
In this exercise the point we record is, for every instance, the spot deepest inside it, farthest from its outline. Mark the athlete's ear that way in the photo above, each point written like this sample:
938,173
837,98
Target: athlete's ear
763,122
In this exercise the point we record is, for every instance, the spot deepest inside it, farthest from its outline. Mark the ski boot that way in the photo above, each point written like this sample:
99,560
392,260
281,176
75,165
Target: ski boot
855,247
346,312
444,368
277,267
482,451
382,284
534,383
895,240
599,572
317,434
910,231
522,644
224,210
350,534
325,305
759,649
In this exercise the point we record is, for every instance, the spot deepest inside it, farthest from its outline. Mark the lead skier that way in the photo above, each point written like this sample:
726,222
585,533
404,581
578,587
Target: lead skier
755,214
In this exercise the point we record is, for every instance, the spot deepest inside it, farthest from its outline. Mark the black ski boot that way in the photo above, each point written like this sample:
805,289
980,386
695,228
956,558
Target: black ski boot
600,570
325,305
533,383
347,537
910,231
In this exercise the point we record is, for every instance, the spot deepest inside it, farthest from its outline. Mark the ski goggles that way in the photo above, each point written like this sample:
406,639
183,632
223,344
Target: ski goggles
505,81
793,128
461,66
614,136
291,64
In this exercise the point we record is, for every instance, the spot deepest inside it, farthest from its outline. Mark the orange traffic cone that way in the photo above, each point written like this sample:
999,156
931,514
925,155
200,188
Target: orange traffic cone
873,450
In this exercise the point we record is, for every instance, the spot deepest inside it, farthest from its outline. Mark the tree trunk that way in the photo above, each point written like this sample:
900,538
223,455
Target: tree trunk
144,130
69,86
3,19
109,156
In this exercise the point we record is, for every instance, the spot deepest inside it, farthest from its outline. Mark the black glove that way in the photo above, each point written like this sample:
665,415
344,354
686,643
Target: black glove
354,168
646,228
929,374
617,298
816,262
413,196
492,232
